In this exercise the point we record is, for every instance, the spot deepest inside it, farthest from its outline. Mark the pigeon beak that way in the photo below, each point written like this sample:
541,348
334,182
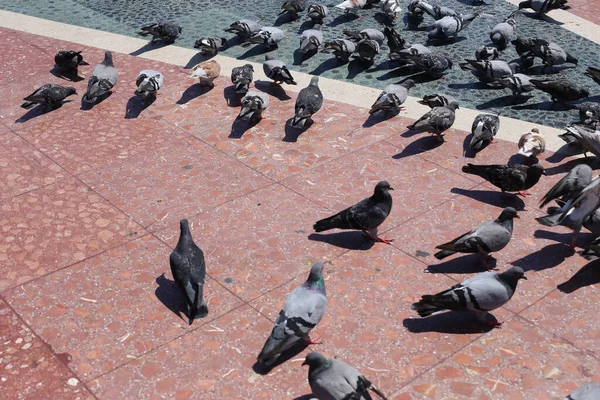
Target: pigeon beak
391,188
544,173
523,277
516,216
304,363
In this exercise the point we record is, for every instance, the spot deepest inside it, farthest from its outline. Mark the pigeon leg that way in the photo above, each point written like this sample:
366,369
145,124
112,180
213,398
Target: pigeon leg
373,236
484,260
315,340
493,324
573,241
523,193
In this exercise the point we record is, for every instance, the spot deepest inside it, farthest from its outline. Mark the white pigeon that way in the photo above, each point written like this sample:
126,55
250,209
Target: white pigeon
351,5
148,82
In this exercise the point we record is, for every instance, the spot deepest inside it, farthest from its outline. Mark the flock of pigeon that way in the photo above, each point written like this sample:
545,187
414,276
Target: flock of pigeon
577,195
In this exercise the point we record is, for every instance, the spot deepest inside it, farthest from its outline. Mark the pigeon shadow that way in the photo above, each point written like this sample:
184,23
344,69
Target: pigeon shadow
447,322
293,351
239,127
421,145
135,106
342,19
197,59
292,133
88,106
588,275
232,98
351,240
504,101
562,153
404,70
149,47
492,198
257,50
357,66
272,89
168,294
300,57
546,18
327,65
469,85
444,42
544,70
547,257
379,116
68,75
34,112
194,91
384,19
387,65
564,238
305,397
562,168
285,18
544,105
308,24
466,264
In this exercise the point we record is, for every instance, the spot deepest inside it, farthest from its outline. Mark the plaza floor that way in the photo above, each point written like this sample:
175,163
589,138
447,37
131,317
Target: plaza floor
90,202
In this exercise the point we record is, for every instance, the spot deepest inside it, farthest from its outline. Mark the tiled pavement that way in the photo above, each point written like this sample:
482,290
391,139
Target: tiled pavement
90,201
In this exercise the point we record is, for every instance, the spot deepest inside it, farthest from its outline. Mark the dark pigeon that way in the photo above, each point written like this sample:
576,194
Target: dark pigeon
48,95
309,101
508,177
69,59
242,77
561,90
162,30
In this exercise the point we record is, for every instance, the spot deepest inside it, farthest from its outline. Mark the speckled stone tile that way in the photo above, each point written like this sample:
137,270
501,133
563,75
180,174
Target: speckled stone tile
258,241
418,184
54,226
28,368
182,178
113,307
369,297
519,361
219,367
23,167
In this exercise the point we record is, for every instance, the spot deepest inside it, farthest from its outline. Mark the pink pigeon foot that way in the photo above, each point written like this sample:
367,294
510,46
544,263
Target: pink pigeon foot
523,193
316,340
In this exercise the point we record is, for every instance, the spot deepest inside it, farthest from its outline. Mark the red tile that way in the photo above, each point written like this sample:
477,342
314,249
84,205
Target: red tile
113,307
52,227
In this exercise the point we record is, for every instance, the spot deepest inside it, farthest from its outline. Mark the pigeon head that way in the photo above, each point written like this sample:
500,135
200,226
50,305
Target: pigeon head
248,66
508,214
316,275
383,186
70,90
453,105
535,171
409,83
184,225
315,359
108,60
314,81
512,276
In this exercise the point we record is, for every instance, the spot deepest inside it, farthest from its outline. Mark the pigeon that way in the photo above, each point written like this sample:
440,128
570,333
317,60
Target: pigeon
336,380
436,120
484,128
524,47
277,71
590,391
593,73
509,178
242,77
104,77
415,15
302,311
411,50
532,144
551,53
367,50
570,185
253,105
317,13
365,215
488,71
390,7
369,33
542,6
342,49
590,252
69,60
309,101
210,45
269,36
351,5
588,139
517,83
392,97
589,112
164,31
189,272
489,237
436,100
48,95
395,42
244,28
148,82
206,72
482,293
311,39
449,27
485,53
504,31
437,12
432,64
561,90
293,7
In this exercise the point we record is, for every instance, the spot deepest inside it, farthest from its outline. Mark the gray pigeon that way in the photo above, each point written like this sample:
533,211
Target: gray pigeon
486,53
162,30
336,380
103,78
588,139
517,83
395,42
590,391
189,272
542,6
449,27
269,36
365,215
367,50
436,100
482,293
437,120
48,95
311,39
369,33
504,31
508,177
342,49
392,97
490,237
210,45
317,13
411,50
484,128
278,71
437,12
302,311
593,73
433,64
244,28
308,102
242,77
293,7
488,71
391,8
551,53
591,252
69,59
147,84
415,14
253,104
561,90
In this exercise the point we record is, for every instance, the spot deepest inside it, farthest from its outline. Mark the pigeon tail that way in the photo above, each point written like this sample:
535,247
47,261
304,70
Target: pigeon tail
571,59
424,308
525,4
443,254
27,105
327,223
